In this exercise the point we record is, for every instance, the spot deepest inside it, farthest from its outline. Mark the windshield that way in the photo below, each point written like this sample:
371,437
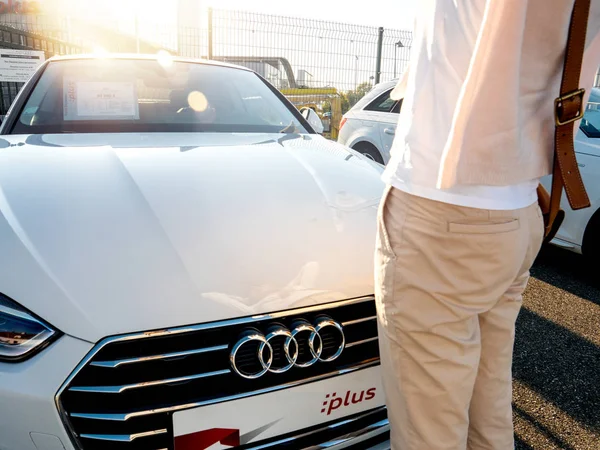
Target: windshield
121,95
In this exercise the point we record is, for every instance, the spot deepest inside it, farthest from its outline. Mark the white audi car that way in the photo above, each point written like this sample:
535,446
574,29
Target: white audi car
370,125
186,265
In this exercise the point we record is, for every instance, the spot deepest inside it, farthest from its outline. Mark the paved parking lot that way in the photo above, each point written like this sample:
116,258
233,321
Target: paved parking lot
557,356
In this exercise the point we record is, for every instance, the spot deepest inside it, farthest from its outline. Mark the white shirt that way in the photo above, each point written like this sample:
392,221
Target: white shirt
478,99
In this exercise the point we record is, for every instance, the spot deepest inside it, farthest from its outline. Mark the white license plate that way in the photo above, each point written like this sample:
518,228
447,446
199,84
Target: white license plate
238,422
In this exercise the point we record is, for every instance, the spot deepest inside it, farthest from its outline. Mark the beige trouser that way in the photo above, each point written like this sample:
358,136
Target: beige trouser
449,284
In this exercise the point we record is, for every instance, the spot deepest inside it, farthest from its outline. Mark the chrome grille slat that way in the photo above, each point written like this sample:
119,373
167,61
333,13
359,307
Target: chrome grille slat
165,356
123,437
131,415
362,320
382,425
127,387
364,341
107,397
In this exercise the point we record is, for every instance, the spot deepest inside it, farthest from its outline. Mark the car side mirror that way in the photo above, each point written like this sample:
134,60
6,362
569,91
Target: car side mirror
313,119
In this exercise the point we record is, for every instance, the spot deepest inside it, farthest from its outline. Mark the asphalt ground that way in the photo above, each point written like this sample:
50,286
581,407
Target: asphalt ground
556,388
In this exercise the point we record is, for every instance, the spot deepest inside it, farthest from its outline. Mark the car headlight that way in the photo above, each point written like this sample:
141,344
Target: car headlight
21,333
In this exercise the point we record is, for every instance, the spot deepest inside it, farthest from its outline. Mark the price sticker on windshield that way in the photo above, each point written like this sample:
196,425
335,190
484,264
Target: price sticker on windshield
100,100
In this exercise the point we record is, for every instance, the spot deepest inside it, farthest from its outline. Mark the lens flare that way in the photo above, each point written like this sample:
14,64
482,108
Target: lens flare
164,58
197,101
100,52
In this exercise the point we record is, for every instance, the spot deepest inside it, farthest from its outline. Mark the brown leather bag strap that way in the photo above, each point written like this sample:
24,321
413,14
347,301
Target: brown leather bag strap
568,109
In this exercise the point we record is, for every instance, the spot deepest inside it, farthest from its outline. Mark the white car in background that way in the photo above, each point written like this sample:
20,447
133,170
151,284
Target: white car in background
185,264
580,231
369,127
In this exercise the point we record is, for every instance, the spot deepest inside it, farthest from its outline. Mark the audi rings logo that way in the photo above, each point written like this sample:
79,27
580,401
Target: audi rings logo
280,349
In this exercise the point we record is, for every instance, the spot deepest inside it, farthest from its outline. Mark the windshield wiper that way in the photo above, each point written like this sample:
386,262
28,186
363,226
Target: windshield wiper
291,129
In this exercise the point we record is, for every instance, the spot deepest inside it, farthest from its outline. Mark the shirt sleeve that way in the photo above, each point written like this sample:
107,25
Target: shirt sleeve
494,63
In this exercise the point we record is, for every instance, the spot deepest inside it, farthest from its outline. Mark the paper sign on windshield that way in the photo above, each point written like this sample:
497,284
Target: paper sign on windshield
100,100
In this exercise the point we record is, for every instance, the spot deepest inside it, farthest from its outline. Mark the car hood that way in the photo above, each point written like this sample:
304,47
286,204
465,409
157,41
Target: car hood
115,233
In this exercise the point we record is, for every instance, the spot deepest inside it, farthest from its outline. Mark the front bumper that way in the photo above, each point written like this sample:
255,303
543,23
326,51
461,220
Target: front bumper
29,419
320,418
27,408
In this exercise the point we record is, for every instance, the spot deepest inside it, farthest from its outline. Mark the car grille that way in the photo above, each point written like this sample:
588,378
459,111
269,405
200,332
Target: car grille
373,425
123,394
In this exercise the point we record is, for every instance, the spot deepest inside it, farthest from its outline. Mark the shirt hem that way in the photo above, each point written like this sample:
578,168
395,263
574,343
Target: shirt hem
464,200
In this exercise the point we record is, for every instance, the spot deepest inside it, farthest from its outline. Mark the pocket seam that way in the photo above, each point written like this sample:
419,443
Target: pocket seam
384,231
483,228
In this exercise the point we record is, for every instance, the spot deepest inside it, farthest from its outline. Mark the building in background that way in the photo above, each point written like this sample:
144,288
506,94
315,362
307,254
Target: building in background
304,78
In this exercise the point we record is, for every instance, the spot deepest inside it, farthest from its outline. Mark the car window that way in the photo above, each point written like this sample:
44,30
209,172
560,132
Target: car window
590,124
122,95
384,103
397,107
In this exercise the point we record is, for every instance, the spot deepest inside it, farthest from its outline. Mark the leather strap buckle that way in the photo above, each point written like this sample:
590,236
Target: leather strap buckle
569,107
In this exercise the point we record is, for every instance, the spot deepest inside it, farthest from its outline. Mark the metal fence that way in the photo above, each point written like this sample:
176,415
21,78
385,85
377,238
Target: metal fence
319,54
313,62
59,35
17,38
325,65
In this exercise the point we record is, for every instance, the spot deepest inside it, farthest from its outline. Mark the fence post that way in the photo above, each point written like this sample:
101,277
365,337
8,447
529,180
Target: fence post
210,33
379,50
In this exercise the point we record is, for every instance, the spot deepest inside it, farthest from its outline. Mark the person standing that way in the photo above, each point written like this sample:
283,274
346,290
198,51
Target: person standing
459,225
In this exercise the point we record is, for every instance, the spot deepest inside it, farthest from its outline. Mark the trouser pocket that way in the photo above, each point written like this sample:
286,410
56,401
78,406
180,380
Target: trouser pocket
505,226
